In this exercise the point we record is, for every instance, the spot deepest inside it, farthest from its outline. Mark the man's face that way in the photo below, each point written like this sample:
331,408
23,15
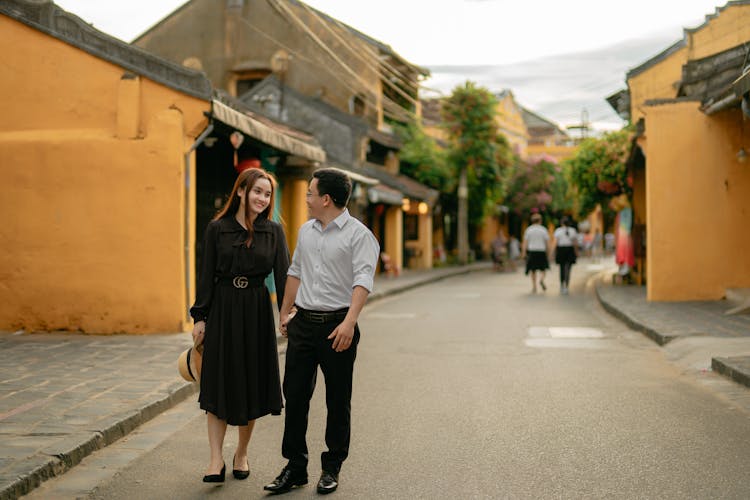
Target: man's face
315,202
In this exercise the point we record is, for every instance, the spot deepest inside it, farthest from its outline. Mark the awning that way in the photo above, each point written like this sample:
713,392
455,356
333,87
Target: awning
354,176
402,184
384,194
264,130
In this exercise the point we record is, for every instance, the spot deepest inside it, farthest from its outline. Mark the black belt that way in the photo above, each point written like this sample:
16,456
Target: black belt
242,281
322,316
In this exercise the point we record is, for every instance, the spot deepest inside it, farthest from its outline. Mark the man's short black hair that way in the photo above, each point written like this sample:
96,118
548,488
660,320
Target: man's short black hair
335,184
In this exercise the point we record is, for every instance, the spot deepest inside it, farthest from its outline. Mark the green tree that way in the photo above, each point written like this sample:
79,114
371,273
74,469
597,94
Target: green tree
478,153
422,159
598,171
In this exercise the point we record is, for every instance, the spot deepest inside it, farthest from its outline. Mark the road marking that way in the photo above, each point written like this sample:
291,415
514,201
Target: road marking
384,315
577,332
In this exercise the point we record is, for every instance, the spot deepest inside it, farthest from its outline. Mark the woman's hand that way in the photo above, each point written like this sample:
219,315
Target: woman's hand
199,331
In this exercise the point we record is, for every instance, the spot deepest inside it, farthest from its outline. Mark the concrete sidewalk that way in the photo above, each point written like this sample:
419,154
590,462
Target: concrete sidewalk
702,324
63,396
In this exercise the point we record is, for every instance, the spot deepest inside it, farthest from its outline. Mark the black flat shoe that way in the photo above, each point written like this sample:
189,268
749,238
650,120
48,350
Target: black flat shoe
240,474
328,483
216,478
286,481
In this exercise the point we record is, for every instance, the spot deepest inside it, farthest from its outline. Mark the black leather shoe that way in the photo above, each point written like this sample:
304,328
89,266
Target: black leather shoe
216,478
287,480
328,483
240,474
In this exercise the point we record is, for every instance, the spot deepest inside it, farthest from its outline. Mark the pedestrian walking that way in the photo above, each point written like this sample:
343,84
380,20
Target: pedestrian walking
566,249
234,318
499,247
535,248
331,275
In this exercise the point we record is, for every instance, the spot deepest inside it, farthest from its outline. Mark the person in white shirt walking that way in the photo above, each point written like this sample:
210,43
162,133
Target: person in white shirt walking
566,242
535,248
328,282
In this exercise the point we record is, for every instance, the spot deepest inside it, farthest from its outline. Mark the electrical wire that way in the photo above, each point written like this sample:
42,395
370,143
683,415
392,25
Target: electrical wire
319,64
334,56
379,64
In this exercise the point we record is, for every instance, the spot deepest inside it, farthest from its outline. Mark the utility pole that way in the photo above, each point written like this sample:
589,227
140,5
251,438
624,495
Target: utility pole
584,126
463,218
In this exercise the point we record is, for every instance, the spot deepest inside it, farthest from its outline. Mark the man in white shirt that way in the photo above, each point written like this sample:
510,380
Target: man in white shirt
328,282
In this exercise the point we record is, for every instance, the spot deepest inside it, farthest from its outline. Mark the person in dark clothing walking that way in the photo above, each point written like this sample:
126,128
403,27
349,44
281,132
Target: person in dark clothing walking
233,317
330,277
566,243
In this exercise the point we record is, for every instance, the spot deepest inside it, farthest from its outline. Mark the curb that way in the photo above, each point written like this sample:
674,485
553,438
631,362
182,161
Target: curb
69,453
431,279
730,369
657,337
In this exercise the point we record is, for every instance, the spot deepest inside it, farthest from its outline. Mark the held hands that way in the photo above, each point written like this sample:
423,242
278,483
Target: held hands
199,332
284,319
342,336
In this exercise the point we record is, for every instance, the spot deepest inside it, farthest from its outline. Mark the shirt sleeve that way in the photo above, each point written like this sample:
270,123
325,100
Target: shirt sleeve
280,264
205,285
365,259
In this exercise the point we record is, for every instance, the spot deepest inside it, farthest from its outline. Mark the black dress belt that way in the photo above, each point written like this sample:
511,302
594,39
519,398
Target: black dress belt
322,316
242,281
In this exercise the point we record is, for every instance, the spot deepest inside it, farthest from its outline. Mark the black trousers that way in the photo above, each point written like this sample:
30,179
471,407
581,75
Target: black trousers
307,348
565,273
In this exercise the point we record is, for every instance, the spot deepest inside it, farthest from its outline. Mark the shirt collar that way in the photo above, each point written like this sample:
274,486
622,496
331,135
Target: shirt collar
339,221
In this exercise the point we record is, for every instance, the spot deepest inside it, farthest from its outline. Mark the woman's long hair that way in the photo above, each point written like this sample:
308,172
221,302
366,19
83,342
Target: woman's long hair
247,180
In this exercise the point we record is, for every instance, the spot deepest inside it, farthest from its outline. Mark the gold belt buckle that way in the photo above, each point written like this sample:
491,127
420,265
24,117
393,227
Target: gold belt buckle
240,282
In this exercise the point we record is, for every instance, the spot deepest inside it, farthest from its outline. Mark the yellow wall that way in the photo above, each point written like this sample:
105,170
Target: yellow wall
558,152
97,236
729,29
657,82
511,124
698,204
294,209
394,235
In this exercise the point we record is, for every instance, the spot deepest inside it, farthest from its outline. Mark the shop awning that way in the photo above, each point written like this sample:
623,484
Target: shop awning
354,175
274,134
408,187
384,194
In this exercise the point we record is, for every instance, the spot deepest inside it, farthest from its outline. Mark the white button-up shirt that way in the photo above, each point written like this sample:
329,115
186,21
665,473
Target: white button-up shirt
330,262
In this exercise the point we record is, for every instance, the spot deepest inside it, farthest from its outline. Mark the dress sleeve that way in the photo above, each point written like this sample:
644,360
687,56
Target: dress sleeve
280,264
205,289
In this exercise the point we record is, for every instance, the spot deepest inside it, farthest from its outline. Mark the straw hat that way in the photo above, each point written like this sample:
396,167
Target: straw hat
189,364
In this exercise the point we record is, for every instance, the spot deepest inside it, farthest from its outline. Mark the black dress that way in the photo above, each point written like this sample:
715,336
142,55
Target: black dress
240,371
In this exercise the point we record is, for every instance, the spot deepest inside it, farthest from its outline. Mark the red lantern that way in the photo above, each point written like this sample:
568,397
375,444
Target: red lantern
247,163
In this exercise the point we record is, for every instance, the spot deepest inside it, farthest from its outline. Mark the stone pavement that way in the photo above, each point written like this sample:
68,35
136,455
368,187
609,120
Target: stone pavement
63,396
665,322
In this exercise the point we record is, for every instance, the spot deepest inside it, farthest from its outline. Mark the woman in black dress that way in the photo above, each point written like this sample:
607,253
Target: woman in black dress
233,317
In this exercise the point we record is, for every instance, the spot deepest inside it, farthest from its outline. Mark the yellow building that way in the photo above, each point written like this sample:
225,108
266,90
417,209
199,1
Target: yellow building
312,72
99,143
690,173
510,123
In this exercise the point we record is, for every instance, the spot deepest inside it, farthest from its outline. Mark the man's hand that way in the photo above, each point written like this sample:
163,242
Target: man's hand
342,336
284,319
199,332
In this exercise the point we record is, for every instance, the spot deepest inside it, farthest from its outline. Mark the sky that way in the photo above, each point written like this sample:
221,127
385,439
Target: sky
512,34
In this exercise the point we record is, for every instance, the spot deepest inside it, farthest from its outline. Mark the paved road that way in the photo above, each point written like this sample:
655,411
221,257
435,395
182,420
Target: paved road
474,388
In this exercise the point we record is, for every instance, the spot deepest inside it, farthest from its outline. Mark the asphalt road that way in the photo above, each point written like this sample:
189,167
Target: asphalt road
474,388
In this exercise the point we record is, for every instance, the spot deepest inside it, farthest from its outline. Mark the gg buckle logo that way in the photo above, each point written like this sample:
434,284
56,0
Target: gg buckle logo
240,282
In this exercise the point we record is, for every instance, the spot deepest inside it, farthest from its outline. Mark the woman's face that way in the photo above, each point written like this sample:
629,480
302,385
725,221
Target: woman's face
259,196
